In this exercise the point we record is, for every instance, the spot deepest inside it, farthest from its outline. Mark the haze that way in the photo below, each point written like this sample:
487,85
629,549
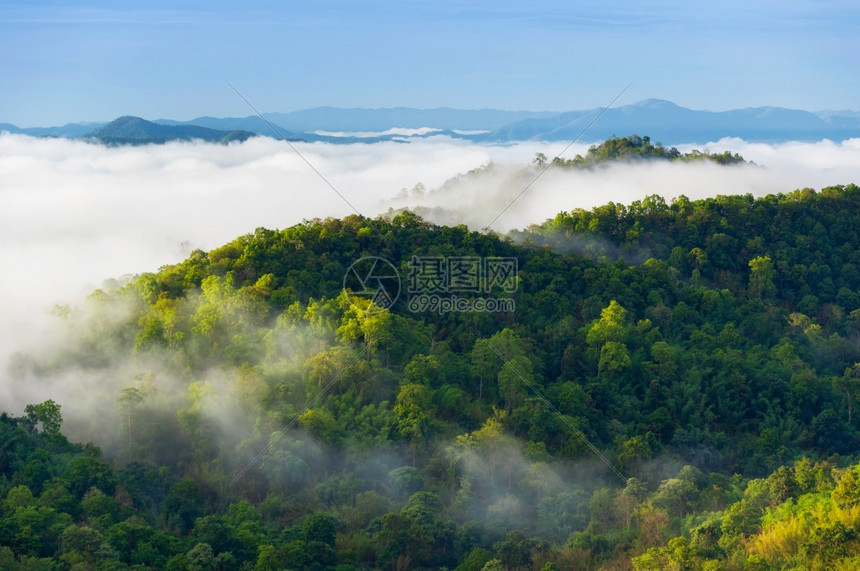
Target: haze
74,214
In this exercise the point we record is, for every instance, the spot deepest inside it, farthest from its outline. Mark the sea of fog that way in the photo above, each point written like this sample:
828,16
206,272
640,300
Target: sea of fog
73,214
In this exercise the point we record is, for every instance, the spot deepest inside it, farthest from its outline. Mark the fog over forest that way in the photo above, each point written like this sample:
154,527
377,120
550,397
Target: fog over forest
89,213
625,400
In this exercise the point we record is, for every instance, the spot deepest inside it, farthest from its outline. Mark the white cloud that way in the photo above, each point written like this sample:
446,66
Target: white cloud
476,200
73,214
403,131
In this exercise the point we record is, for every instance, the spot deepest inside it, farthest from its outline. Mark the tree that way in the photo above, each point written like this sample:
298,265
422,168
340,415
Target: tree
476,560
614,358
85,472
850,383
830,432
84,546
484,365
424,370
782,485
699,257
414,412
516,377
364,321
35,530
610,327
762,273
324,366
321,424
43,418
666,358
677,497
489,355
515,550
406,480
130,399
628,499
184,504
201,558
847,492
677,556
416,533
320,527
489,446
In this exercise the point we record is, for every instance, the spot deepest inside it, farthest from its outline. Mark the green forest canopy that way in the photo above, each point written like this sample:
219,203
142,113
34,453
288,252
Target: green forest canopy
718,377
633,148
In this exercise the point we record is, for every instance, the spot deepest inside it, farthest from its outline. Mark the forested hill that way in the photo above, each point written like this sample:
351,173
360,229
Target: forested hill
130,130
468,440
633,148
802,246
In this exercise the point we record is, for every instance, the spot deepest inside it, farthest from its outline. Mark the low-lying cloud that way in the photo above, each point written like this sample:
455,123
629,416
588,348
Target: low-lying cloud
73,214
495,197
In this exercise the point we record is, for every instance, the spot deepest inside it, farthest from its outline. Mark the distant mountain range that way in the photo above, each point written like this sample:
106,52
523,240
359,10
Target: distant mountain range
130,130
662,120
335,119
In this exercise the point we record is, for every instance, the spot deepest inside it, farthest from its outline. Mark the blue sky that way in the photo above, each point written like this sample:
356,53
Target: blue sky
93,61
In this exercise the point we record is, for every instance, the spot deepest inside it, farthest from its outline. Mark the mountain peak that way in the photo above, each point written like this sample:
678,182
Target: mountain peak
131,130
655,104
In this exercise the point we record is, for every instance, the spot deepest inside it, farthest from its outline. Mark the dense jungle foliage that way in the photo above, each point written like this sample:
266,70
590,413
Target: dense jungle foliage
675,389
634,148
